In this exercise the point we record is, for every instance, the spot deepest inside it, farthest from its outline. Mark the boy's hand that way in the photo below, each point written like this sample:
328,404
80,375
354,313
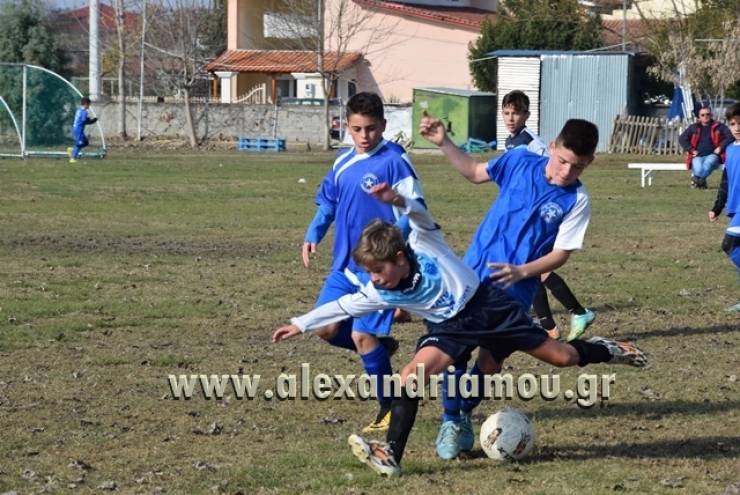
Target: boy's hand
433,130
712,217
308,248
385,194
506,274
284,333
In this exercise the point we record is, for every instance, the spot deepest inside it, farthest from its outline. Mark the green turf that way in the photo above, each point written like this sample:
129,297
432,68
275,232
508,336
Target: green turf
116,273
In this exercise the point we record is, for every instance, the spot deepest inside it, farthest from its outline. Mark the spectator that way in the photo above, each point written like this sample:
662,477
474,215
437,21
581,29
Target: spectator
705,143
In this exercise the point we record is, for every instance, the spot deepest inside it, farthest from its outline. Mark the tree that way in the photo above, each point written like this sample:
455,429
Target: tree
535,25
330,30
26,36
700,48
118,7
183,36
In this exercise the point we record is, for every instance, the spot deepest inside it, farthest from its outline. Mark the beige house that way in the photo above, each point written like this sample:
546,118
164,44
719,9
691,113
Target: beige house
387,47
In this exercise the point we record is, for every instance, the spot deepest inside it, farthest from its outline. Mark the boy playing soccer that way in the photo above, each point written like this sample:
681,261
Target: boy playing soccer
426,278
515,111
539,217
78,129
342,198
728,194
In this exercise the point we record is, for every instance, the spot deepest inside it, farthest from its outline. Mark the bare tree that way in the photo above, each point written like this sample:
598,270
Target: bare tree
177,42
120,13
334,30
706,62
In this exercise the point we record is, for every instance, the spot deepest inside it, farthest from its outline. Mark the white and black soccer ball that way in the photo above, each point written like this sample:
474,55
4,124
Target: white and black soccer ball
507,435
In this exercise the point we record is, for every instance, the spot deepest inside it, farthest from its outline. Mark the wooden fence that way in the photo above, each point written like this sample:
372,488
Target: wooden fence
646,136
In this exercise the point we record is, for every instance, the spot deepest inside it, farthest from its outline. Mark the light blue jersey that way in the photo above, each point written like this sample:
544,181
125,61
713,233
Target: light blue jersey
344,191
440,284
529,218
732,166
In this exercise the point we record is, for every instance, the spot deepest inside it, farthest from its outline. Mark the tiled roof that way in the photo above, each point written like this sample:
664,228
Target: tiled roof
280,61
79,18
465,18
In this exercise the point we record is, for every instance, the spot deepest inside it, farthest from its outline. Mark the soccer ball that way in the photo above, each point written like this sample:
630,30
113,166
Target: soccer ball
507,435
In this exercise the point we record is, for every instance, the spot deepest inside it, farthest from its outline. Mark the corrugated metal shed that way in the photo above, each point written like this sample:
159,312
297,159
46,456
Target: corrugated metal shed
522,73
591,87
563,85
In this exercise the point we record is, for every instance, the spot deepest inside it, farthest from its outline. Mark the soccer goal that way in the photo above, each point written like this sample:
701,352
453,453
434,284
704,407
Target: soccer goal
37,108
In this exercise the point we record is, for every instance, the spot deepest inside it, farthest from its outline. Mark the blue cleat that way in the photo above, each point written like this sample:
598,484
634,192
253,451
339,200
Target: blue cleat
448,440
467,437
579,324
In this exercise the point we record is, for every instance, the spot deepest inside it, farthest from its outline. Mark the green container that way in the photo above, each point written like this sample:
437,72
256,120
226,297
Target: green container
466,114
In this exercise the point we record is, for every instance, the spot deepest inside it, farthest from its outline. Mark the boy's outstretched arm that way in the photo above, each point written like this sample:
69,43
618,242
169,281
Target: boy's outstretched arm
433,130
284,333
507,274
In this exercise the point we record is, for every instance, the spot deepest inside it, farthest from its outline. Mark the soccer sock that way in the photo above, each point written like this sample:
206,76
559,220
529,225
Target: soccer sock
451,401
403,415
590,353
343,339
470,403
378,364
542,308
562,293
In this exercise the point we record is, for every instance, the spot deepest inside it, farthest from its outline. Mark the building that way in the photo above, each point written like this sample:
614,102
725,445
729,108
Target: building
386,47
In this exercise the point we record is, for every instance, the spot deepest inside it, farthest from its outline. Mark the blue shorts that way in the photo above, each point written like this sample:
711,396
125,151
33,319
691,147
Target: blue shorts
337,285
491,320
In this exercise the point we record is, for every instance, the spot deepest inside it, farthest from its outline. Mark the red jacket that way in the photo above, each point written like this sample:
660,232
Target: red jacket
713,134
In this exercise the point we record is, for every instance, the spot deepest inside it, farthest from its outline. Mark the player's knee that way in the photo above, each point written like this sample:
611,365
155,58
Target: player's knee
328,332
364,342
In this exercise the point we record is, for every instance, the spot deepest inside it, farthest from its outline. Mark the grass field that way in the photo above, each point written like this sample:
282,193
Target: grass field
116,273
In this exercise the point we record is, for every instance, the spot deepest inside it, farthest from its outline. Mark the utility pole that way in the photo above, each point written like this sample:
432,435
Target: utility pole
624,25
94,45
141,70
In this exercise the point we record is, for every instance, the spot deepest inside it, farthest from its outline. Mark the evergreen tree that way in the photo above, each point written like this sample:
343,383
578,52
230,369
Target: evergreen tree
534,25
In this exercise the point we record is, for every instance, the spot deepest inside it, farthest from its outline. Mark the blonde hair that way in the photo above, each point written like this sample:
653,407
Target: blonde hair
380,241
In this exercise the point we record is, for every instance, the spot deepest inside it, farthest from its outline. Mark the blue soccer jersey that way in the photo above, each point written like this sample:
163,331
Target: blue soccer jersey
529,218
78,128
732,166
344,190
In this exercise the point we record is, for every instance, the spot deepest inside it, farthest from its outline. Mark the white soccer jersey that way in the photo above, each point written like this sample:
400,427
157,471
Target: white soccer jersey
441,286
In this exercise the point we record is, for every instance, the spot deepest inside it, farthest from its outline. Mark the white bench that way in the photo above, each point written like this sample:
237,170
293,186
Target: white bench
647,170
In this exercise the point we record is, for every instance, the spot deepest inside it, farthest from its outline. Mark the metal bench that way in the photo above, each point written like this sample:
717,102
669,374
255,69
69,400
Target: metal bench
647,170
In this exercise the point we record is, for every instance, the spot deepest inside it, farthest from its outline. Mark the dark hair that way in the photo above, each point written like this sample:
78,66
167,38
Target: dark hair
366,103
380,241
84,100
580,136
518,99
732,112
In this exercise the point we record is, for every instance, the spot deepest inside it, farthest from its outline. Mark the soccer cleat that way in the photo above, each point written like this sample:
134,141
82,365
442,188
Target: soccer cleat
69,152
377,455
72,160
448,440
554,333
390,344
579,324
467,437
622,352
381,423
733,309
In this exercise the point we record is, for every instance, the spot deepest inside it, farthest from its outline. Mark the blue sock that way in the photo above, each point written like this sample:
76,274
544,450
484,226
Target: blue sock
378,364
343,339
471,403
450,404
